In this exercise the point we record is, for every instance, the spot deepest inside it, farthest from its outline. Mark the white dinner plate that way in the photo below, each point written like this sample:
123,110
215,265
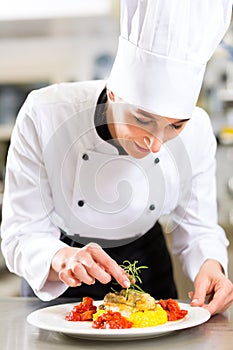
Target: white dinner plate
52,318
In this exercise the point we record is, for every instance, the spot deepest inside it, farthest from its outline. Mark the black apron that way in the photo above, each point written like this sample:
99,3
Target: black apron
149,250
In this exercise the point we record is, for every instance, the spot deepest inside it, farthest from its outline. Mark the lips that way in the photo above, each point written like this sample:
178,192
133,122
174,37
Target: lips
141,149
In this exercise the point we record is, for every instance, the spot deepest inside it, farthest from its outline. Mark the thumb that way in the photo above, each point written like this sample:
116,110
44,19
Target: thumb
198,296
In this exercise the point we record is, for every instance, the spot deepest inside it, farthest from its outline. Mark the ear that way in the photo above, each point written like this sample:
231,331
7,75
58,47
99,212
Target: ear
111,95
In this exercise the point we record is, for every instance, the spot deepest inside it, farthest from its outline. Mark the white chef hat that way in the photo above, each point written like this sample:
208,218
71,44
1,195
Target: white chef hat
163,50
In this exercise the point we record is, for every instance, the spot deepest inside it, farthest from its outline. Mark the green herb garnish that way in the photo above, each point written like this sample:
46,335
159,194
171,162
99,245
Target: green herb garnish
133,271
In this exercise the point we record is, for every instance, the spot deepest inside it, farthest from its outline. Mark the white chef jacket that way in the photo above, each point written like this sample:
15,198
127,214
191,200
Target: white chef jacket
61,174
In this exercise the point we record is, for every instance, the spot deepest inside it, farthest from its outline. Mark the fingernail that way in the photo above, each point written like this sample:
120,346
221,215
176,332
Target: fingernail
127,284
195,301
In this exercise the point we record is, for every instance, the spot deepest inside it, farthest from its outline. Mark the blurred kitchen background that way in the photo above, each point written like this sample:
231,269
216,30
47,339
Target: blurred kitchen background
53,41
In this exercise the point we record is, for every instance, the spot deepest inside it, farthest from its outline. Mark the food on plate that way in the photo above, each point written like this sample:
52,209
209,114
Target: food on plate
148,318
128,301
83,311
127,308
173,310
139,308
111,320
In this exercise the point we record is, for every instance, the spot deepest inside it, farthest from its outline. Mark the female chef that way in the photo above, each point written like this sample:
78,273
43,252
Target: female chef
93,166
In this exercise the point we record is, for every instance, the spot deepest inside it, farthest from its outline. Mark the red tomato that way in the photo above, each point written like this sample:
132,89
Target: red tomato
111,320
83,311
173,310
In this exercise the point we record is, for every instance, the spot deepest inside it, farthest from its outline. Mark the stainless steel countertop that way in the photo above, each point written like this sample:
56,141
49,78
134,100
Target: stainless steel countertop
17,334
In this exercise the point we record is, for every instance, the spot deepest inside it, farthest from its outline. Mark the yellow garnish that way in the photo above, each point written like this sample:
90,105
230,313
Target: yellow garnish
148,318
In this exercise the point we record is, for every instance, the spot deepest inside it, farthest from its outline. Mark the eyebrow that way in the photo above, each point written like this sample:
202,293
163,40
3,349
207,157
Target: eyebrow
147,115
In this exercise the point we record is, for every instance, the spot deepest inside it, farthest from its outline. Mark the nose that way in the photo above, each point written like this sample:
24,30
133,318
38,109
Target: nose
153,143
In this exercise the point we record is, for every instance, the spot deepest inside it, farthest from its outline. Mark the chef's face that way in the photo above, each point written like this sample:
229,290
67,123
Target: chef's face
138,131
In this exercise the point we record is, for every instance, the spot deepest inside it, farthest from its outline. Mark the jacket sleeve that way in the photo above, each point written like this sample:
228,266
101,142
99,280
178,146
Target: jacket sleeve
29,238
196,234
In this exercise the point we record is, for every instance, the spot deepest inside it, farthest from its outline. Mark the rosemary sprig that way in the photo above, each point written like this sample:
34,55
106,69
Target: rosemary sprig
133,272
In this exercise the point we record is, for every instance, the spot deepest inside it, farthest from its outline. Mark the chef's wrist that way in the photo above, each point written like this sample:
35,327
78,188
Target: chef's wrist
213,264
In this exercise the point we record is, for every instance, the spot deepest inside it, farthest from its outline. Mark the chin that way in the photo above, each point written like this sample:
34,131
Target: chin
140,156
137,155
132,151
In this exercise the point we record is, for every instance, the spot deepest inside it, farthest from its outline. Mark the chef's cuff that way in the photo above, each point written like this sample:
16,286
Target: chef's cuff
195,258
44,289
51,290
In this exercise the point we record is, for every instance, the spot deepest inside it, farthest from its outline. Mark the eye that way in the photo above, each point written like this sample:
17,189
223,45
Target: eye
142,120
175,126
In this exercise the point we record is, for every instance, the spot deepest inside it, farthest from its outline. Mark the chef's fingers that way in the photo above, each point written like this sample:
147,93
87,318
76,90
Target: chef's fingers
190,295
66,276
94,270
79,272
196,302
199,294
222,297
106,266
94,259
215,303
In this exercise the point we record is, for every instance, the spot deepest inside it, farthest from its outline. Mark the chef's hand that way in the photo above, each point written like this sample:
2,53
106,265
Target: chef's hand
75,266
212,289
